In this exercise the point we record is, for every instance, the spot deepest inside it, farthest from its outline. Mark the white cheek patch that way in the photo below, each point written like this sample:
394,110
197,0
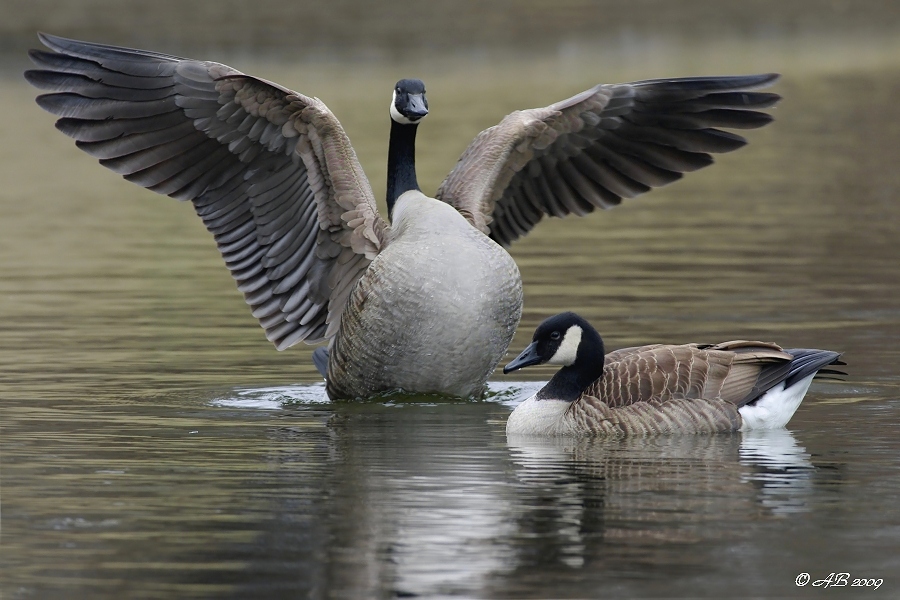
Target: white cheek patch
395,114
568,350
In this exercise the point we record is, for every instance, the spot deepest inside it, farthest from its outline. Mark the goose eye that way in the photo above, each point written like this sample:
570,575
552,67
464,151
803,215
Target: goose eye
554,336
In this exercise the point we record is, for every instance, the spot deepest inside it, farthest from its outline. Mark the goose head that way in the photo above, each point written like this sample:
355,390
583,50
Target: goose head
570,341
559,341
409,105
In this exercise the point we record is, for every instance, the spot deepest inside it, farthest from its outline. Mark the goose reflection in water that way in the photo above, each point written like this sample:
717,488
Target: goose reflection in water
657,491
381,498
781,470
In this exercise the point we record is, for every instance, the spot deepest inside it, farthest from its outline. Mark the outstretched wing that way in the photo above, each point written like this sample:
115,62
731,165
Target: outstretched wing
270,171
604,144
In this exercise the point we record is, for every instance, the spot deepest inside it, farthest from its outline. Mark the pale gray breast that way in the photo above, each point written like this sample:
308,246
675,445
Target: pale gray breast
436,310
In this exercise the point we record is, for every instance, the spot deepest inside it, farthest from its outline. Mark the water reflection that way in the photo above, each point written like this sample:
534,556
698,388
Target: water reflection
407,501
647,481
274,492
781,469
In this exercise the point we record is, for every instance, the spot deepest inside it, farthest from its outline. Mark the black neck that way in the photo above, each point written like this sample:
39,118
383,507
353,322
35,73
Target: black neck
401,175
570,382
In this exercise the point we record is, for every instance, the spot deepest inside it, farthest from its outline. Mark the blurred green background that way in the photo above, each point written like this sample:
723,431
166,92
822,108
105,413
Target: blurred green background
388,29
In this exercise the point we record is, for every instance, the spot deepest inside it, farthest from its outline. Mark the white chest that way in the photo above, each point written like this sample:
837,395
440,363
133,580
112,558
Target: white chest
539,417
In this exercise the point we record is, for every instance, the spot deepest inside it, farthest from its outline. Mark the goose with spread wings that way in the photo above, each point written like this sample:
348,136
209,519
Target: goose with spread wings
427,300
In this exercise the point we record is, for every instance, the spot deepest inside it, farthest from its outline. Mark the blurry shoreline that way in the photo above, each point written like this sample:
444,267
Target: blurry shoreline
631,31
580,61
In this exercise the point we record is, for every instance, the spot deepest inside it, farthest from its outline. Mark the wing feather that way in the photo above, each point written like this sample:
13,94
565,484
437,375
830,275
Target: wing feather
269,171
599,146
734,372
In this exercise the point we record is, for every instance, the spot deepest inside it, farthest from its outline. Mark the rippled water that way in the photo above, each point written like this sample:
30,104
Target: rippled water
155,445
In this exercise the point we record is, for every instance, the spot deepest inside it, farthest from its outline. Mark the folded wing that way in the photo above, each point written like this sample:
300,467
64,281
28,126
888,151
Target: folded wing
736,372
689,388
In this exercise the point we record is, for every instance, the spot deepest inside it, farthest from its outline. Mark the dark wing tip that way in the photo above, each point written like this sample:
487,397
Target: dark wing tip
766,99
58,43
36,54
36,77
320,360
808,361
719,82
55,103
95,51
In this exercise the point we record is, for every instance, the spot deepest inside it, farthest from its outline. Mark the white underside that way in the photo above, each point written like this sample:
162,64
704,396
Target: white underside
776,407
539,417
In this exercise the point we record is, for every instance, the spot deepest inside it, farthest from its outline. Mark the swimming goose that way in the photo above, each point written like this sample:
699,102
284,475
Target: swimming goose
429,300
691,388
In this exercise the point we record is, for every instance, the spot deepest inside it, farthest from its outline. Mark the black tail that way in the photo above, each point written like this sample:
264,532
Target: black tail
808,361
320,359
